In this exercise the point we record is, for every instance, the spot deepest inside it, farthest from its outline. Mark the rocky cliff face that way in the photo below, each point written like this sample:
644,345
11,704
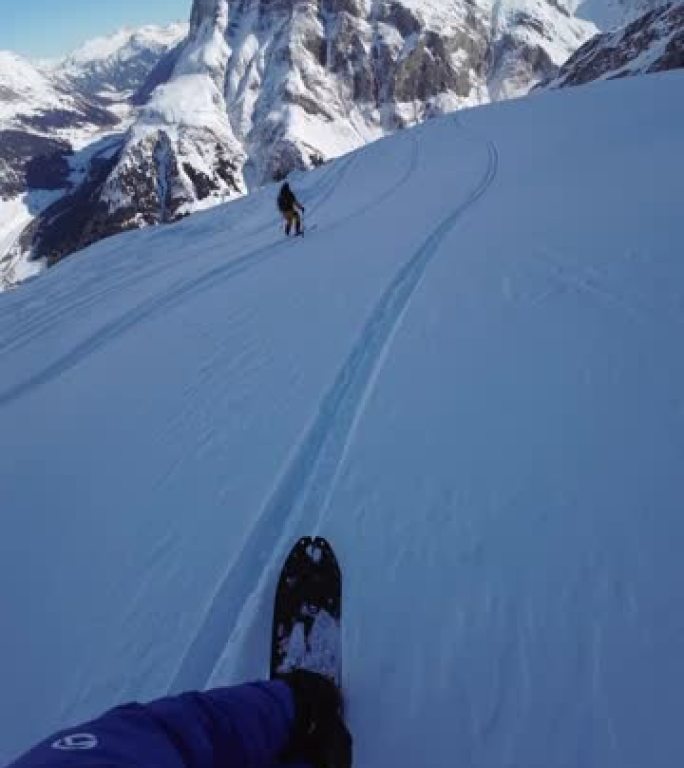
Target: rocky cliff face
310,80
182,149
652,43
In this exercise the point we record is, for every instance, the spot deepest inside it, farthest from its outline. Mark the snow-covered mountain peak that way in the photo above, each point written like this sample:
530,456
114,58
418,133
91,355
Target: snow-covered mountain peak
28,93
208,13
651,43
181,154
21,79
206,48
61,123
193,93
122,41
531,39
121,61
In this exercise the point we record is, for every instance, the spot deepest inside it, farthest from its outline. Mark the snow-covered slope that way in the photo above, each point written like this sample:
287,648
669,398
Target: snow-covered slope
468,375
652,43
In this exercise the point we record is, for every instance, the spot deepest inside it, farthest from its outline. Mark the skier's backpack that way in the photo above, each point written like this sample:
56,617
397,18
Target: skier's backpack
286,200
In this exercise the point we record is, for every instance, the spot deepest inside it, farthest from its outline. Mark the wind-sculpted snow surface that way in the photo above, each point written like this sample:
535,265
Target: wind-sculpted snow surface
467,376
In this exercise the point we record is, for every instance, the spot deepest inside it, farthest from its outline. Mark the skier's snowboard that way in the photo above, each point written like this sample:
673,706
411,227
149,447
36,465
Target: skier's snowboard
305,230
306,615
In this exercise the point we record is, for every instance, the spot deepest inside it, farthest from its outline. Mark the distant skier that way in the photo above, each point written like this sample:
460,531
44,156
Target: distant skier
295,721
290,207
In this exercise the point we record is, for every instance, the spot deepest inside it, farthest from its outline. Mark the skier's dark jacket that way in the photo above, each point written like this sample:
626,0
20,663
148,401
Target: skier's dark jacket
243,727
286,200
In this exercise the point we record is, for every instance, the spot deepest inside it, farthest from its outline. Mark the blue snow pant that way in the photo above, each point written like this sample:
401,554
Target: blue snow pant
243,727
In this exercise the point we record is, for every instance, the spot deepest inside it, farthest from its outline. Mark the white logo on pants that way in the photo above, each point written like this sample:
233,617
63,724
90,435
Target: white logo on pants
76,741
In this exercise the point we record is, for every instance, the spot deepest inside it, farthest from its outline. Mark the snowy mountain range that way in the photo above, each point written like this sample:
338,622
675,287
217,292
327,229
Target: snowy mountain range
120,63
54,119
652,43
74,93
468,376
256,90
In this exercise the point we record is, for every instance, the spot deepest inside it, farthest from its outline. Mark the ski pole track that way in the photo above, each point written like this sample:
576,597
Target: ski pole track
309,476
36,325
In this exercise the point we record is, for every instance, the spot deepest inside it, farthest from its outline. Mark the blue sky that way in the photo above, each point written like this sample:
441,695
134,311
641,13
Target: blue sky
46,28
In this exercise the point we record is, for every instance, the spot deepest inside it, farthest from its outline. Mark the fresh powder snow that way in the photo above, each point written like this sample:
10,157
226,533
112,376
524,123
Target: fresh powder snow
467,376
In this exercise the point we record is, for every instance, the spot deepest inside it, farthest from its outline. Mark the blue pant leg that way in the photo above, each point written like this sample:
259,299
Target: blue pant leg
242,727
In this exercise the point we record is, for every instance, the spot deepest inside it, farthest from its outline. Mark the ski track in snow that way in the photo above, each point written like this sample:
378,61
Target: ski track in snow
176,294
109,332
330,186
86,300
391,190
479,401
302,493
82,301
325,187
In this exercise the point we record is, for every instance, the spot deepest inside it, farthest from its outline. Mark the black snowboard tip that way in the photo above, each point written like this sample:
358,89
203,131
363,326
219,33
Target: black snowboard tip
310,586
